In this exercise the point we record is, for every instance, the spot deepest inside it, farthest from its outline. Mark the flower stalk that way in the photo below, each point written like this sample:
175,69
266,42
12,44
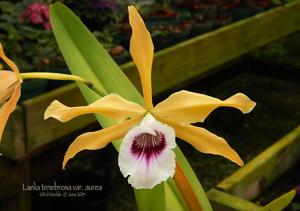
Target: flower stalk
63,77
186,189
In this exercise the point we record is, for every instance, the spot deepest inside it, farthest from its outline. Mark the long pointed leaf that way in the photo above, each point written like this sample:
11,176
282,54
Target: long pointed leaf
280,203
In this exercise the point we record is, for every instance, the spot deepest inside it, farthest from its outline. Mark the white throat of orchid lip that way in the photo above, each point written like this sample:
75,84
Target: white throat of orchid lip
146,154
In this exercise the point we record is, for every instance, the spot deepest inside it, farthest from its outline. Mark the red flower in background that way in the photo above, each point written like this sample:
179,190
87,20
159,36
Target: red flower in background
37,14
298,189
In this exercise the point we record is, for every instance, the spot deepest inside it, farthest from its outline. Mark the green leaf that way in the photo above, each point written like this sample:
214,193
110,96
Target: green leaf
86,57
173,193
280,203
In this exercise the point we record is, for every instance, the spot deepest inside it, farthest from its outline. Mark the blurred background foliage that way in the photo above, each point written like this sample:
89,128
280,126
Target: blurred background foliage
26,33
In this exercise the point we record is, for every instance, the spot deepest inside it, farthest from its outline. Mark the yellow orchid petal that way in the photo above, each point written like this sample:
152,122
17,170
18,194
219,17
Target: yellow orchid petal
112,106
203,140
189,107
8,81
99,139
9,62
8,108
141,49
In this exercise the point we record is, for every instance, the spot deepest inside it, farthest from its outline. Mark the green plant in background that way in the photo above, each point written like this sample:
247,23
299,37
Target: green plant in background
32,46
280,203
99,14
25,30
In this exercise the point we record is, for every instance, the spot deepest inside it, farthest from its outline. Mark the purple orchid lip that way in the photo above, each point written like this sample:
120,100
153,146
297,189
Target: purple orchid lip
146,154
148,146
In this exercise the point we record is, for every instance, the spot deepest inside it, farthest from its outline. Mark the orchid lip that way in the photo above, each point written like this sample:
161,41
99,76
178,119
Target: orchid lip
148,146
146,154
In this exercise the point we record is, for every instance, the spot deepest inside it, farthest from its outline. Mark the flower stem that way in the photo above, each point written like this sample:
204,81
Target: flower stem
186,189
62,77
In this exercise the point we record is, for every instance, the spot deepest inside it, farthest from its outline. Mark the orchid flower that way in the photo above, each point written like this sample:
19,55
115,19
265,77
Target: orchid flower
146,153
10,86
10,90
